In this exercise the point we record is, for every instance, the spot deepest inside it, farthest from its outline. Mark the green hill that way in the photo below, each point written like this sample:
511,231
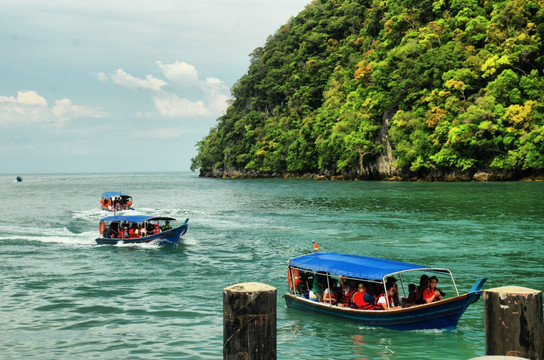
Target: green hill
377,89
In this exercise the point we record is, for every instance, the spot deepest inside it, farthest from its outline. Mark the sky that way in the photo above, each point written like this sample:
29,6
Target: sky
121,85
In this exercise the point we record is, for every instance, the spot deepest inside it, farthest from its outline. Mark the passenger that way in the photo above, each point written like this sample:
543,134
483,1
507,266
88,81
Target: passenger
131,232
320,283
143,231
114,230
138,231
347,293
117,204
306,281
384,302
362,299
329,295
156,229
423,284
166,226
125,233
432,293
392,282
411,299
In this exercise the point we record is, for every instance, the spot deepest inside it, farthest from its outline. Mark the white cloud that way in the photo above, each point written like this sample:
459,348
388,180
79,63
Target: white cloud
30,107
168,98
64,110
122,78
102,77
173,105
180,72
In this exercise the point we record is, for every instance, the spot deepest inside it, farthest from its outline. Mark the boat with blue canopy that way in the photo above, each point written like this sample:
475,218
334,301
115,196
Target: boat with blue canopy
138,229
376,273
116,201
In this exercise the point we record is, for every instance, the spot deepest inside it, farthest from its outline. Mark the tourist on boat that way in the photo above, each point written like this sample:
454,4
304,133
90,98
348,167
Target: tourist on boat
320,283
166,226
423,284
385,302
392,282
432,293
306,281
347,293
362,299
329,294
125,233
411,299
132,231
114,230
143,231
156,229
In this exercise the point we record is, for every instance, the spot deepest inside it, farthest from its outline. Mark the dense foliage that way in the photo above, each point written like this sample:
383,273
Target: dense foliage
447,84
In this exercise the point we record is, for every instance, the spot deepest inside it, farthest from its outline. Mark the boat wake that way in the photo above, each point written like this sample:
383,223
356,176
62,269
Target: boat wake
52,235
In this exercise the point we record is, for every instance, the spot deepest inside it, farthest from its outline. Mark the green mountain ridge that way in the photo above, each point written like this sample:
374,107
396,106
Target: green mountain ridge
380,89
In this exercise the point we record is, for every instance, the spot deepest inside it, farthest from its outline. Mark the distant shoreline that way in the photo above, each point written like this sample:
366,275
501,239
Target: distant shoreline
453,176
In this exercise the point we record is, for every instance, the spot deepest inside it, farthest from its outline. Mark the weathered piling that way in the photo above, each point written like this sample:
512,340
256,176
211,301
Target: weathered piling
513,322
249,321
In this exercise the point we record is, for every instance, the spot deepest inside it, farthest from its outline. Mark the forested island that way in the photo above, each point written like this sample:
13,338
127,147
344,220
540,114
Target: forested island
444,90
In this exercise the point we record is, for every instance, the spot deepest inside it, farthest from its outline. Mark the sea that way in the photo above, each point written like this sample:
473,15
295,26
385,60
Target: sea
64,297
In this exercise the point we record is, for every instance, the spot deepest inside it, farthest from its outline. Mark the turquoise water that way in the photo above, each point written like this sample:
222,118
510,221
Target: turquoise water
65,297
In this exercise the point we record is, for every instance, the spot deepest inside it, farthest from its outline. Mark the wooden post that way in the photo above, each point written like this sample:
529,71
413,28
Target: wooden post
513,322
249,321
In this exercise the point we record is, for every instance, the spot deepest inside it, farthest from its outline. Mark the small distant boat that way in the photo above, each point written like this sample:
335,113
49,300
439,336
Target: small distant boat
19,178
443,314
116,201
127,229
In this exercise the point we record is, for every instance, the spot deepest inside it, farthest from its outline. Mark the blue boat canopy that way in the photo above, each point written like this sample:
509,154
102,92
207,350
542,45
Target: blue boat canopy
135,218
353,266
110,194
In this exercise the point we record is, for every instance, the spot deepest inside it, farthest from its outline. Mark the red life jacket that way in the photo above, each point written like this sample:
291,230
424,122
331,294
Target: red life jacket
359,302
346,298
378,306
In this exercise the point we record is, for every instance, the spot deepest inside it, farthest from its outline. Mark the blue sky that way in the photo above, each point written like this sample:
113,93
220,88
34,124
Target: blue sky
121,85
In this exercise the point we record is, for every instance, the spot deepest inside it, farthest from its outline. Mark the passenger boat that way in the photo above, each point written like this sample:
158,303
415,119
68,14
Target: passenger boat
127,229
116,201
442,314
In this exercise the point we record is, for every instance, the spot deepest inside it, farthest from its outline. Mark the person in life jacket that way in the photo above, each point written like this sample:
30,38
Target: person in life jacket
362,299
131,232
347,293
156,229
329,294
166,226
384,301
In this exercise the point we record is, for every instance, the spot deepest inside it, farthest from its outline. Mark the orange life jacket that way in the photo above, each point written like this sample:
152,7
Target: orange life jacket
360,303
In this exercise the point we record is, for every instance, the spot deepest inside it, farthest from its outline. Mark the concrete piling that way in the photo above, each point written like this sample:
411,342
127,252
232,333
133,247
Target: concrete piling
513,322
249,321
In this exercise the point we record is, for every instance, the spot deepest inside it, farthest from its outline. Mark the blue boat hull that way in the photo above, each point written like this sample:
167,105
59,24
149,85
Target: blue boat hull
169,237
443,314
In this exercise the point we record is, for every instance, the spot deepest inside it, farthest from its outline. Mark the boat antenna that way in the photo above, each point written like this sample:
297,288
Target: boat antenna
316,246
